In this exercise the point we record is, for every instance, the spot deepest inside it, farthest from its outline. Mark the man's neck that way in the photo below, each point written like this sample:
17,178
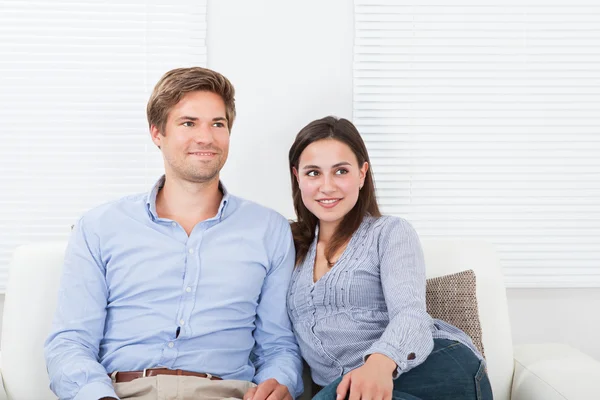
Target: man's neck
188,203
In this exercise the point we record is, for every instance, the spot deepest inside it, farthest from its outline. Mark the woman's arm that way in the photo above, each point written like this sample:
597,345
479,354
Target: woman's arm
407,340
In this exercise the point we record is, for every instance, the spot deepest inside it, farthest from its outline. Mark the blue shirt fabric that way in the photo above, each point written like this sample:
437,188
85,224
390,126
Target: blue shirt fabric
371,301
131,280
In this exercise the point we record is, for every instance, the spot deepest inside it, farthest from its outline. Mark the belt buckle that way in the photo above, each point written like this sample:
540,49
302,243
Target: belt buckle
145,370
208,376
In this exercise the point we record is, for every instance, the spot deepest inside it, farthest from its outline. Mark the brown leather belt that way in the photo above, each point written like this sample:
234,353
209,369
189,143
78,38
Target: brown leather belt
128,376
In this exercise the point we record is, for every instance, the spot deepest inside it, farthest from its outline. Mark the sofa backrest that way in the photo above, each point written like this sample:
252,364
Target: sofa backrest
31,296
34,278
448,256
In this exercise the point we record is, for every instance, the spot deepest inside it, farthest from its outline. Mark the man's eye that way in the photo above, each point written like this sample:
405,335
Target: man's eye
189,124
219,124
341,171
312,173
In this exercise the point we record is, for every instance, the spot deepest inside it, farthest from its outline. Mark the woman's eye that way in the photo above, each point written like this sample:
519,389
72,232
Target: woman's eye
312,173
341,171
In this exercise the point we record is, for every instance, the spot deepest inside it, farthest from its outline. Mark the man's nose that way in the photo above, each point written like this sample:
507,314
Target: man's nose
203,134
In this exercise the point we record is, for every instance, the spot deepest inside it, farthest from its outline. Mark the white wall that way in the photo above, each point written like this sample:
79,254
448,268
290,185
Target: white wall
556,315
292,63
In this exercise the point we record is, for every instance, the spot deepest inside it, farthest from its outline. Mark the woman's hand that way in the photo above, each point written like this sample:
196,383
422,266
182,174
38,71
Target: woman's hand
372,381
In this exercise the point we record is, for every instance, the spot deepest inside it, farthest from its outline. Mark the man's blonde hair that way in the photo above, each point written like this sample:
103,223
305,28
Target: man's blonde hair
177,83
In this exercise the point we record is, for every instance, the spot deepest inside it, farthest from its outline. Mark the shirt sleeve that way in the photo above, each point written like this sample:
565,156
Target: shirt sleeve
276,353
408,338
71,349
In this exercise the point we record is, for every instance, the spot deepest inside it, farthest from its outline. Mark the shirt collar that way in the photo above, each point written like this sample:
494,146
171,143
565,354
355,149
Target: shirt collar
151,199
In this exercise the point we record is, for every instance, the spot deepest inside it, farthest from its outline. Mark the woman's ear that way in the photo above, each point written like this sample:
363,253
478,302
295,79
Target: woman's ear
295,172
363,173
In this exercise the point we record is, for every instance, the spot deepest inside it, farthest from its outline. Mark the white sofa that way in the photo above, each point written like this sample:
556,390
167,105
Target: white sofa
540,372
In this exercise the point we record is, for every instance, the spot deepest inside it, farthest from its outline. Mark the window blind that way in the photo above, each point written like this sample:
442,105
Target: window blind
482,121
75,78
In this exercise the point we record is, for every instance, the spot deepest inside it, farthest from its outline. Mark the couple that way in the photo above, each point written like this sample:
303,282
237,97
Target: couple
189,292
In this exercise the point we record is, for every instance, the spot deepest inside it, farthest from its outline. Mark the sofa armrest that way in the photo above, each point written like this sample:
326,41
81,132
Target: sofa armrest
3,395
554,371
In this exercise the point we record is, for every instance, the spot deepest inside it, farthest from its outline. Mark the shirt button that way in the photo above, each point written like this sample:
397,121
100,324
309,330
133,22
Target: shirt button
191,251
171,344
173,223
188,289
181,322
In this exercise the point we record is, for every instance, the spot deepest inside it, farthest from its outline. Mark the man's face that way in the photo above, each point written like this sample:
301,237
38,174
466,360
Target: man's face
195,141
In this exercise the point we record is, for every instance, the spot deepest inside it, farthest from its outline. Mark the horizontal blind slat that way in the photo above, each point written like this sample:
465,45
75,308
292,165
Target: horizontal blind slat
76,77
481,121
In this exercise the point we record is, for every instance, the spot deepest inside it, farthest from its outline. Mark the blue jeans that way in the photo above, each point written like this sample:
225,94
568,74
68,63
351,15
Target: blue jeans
450,372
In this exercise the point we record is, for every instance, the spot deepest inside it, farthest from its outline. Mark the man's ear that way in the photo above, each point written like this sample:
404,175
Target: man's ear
156,135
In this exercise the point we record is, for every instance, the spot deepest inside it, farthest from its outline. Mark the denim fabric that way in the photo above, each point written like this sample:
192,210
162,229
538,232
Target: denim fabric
452,371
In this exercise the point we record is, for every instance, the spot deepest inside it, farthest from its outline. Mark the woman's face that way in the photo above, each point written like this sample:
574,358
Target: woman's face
330,179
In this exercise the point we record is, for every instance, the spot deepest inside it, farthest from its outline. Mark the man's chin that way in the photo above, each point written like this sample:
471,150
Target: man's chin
203,178
199,176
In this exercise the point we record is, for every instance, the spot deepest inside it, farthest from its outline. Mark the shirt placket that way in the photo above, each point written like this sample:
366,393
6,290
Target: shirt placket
182,327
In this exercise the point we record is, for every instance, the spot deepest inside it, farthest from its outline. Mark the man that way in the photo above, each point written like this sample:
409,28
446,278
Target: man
179,293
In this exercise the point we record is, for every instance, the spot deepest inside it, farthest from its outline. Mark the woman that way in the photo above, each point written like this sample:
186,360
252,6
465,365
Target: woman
357,297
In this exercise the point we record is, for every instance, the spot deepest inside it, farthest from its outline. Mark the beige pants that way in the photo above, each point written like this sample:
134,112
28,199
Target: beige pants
169,387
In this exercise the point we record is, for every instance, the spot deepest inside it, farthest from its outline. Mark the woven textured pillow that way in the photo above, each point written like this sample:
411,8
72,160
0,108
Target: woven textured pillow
452,298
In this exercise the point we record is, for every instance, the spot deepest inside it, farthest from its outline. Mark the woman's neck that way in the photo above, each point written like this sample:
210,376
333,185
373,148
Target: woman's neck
326,231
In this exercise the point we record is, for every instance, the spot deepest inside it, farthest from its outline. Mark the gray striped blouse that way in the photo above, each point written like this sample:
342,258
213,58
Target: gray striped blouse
371,301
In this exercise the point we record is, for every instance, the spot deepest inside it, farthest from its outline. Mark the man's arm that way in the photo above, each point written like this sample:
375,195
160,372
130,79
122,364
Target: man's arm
71,350
276,354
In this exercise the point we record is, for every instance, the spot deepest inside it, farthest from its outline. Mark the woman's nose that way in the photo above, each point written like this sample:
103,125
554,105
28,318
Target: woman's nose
327,185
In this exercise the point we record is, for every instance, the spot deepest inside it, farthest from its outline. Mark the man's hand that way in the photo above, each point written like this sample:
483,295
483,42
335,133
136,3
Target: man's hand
372,381
268,389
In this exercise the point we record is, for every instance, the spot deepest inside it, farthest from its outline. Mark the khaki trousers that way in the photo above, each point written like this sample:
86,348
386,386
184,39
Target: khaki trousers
172,387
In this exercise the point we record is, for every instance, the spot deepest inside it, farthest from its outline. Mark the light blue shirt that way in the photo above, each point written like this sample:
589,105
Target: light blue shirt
132,280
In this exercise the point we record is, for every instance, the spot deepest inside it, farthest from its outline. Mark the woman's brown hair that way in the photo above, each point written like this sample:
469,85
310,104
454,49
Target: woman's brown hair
303,229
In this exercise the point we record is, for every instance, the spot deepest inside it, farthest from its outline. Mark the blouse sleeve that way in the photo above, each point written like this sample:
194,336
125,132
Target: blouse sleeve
408,337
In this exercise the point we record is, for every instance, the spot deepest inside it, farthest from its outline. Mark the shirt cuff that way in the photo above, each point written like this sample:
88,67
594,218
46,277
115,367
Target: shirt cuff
402,363
96,390
283,379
